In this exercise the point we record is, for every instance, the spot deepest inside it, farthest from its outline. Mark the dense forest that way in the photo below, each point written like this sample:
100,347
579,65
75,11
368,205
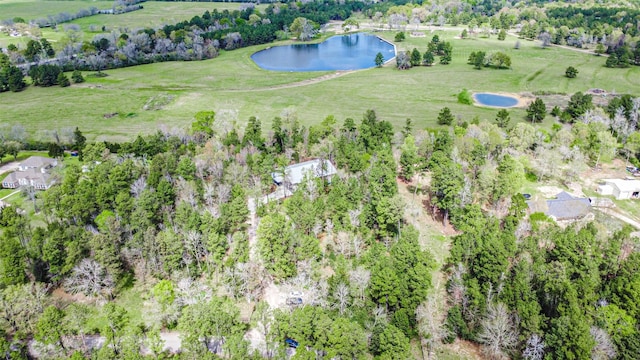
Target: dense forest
171,215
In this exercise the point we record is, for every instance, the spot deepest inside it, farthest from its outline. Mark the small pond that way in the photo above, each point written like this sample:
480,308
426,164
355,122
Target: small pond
342,52
495,100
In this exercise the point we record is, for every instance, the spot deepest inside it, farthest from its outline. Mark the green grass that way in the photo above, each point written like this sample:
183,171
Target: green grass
233,82
155,14
130,299
22,155
35,9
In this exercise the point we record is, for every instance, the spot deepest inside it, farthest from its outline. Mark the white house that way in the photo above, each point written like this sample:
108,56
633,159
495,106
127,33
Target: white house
31,172
621,189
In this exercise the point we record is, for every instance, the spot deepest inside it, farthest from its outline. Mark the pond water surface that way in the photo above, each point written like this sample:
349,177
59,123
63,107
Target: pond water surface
495,100
342,52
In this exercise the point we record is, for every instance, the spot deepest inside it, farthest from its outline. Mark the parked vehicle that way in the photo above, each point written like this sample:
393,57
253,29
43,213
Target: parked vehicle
291,343
296,293
294,301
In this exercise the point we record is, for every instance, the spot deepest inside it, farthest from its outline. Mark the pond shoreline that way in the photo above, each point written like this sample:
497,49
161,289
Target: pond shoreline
521,101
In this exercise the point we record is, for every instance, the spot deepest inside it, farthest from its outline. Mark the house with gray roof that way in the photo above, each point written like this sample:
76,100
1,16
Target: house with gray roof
564,207
34,171
38,162
294,174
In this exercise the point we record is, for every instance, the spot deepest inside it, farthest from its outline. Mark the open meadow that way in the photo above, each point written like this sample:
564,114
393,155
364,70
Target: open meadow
34,9
232,83
155,14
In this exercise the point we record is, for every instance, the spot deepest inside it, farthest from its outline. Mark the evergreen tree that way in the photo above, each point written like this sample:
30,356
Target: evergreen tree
379,61
428,58
63,80
503,118
445,117
15,79
408,158
79,142
536,111
416,57
571,72
77,77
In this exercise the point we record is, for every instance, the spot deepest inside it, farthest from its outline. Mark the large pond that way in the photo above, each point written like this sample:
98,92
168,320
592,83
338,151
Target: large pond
342,52
495,100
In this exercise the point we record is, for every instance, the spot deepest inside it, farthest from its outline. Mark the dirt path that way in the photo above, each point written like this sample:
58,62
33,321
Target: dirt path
615,213
312,81
9,167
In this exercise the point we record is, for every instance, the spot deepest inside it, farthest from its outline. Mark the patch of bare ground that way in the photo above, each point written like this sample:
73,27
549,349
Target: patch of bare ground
465,349
59,295
615,170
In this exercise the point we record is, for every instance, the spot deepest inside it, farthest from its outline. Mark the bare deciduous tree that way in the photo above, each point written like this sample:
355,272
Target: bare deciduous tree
604,348
342,243
457,288
498,334
138,186
430,326
342,297
359,279
191,292
534,350
193,243
91,279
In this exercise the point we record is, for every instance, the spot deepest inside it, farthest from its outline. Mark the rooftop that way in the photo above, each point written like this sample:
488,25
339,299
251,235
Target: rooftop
32,176
295,173
37,162
624,185
564,207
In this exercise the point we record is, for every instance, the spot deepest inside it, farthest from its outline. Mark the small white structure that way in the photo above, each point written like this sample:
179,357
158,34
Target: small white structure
294,174
621,189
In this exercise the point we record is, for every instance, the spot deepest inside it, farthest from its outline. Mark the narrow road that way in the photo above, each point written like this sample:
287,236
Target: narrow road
619,216
9,167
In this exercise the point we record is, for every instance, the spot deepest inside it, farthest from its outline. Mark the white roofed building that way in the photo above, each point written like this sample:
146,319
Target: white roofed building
621,189
294,174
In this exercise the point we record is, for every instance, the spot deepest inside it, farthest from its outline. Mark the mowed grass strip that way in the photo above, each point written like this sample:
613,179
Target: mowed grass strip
233,82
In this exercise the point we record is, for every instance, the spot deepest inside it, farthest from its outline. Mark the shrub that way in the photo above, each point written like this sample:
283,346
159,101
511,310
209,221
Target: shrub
571,72
464,97
63,80
77,77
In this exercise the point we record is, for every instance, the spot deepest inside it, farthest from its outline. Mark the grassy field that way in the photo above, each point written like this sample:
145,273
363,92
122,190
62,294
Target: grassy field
22,155
35,9
156,13
233,82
